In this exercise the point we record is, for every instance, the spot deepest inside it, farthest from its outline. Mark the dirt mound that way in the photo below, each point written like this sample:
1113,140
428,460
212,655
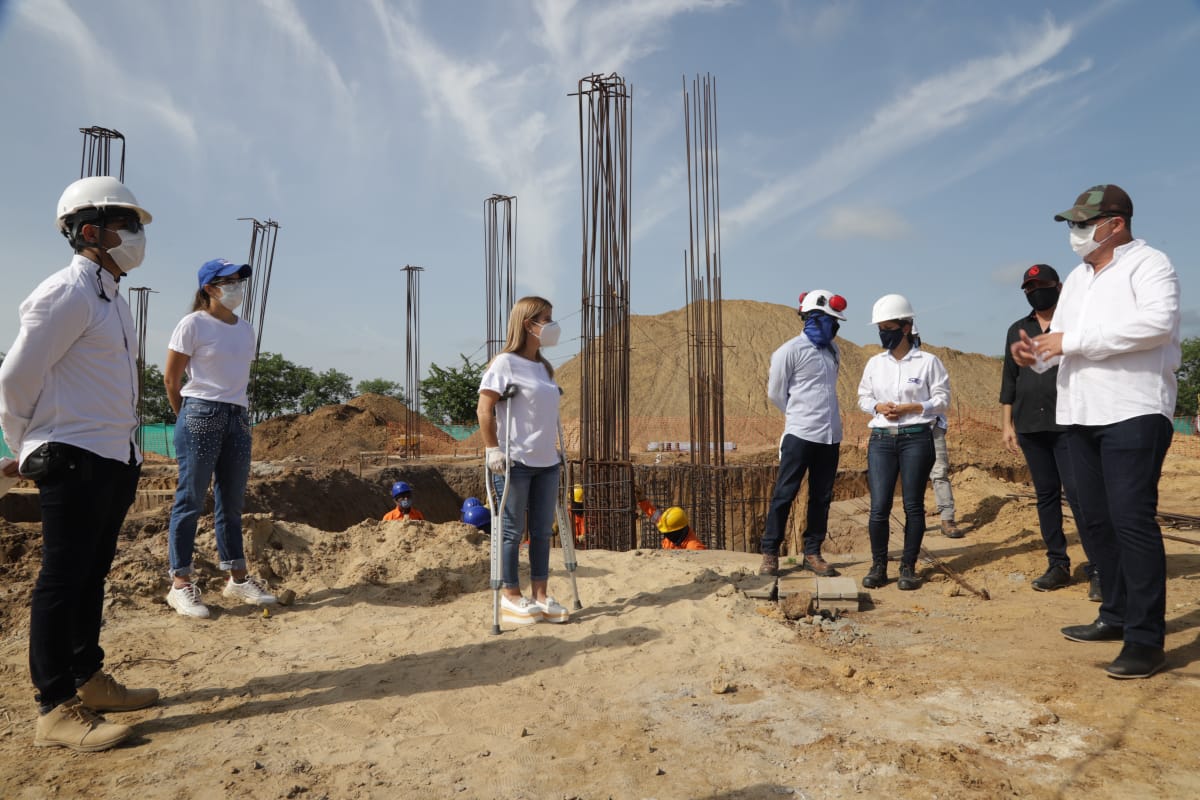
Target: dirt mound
341,431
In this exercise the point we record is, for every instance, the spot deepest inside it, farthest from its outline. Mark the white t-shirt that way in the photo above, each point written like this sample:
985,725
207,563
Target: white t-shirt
534,412
220,354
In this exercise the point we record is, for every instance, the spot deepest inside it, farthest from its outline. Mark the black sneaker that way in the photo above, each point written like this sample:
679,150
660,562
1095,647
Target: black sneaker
1137,661
908,579
877,576
1054,578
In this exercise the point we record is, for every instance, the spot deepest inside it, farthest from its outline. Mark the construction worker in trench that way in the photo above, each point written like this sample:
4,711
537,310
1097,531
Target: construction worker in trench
402,495
673,525
578,516
477,515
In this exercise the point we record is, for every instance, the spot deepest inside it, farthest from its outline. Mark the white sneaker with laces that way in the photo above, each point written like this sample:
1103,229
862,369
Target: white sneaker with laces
249,591
552,611
521,611
186,600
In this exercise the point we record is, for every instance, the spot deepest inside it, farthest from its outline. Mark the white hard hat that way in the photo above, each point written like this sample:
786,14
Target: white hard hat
823,300
98,192
891,306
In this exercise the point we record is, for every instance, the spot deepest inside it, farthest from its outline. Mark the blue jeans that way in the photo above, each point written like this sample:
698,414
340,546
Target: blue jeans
1117,468
83,507
796,456
908,456
211,439
532,499
1049,461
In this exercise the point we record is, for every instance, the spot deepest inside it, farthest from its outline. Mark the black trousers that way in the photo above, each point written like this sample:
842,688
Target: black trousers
820,461
1049,461
1117,468
84,500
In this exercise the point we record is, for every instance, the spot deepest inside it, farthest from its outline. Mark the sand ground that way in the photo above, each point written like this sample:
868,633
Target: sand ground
383,679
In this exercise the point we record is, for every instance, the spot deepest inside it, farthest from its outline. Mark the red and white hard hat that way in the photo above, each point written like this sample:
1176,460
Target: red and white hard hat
825,301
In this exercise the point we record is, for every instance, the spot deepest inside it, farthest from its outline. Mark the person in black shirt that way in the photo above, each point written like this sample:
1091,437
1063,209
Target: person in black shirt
1027,401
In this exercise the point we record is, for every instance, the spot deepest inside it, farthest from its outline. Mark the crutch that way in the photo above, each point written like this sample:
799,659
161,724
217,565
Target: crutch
497,537
566,531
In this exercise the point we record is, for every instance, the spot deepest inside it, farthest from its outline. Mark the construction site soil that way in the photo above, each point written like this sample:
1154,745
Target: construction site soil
382,678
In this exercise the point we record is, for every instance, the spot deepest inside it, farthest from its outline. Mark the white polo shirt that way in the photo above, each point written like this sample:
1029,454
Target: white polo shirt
71,375
1120,338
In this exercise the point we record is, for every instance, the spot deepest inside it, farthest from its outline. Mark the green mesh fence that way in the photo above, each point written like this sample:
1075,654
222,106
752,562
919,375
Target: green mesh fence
155,439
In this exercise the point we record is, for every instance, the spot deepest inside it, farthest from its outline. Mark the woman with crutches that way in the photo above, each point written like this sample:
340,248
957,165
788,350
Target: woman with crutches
519,431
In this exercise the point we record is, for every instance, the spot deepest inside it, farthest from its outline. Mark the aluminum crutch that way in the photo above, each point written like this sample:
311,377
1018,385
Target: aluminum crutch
497,537
566,531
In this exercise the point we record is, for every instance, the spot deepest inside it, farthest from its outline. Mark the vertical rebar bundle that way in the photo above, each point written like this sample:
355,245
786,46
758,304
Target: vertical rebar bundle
499,266
412,362
263,236
97,153
139,303
702,288
604,153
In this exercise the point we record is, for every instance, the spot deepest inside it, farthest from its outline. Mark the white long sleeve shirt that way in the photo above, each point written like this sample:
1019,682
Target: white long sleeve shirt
802,383
1120,338
71,375
919,377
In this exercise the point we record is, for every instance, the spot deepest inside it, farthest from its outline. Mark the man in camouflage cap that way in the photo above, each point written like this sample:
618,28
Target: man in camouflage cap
1115,339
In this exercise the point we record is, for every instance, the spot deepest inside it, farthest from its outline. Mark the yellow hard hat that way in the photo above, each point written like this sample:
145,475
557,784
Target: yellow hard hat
578,493
673,519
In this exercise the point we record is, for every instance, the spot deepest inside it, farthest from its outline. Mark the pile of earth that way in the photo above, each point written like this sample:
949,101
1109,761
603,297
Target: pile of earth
340,432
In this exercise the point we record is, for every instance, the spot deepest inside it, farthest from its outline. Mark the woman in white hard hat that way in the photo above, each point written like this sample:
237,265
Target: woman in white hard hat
212,434
528,451
904,389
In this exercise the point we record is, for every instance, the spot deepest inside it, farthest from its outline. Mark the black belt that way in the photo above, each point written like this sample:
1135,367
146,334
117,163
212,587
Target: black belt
907,429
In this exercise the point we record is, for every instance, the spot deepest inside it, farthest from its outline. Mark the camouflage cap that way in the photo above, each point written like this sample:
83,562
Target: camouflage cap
1105,200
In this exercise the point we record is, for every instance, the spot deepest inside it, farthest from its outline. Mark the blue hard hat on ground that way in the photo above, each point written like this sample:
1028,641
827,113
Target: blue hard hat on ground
400,487
470,502
477,516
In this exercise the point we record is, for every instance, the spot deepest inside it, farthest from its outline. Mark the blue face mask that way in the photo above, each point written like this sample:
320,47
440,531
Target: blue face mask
820,329
891,339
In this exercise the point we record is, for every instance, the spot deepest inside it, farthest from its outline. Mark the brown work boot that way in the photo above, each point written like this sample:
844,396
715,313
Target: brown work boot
74,726
769,566
103,693
818,565
951,531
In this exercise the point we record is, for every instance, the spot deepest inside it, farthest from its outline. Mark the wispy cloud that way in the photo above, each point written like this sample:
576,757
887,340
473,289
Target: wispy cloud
920,114
814,21
284,15
862,222
55,20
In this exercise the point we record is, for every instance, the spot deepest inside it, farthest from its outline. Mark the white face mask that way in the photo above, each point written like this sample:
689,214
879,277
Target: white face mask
232,295
129,253
1081,239
549,335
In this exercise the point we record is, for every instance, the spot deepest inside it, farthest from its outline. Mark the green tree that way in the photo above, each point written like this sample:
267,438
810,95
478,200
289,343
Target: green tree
322,389
452,392
1189,378
382,386
155,406
276,386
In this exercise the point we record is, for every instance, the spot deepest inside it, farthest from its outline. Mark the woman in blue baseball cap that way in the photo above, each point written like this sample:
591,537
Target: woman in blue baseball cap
214,347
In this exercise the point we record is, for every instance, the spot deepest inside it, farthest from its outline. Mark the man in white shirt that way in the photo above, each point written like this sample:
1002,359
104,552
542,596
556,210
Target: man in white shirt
802,384
1116,329
68,408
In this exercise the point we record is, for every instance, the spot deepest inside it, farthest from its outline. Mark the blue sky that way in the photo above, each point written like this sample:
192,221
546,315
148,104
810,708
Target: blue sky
865,147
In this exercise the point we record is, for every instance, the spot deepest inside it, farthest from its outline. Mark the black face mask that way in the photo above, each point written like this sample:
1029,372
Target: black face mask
1044,298
891,339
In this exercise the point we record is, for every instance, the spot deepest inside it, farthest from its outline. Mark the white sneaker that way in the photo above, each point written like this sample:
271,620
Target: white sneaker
249,591
552,611
186,600
521,611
